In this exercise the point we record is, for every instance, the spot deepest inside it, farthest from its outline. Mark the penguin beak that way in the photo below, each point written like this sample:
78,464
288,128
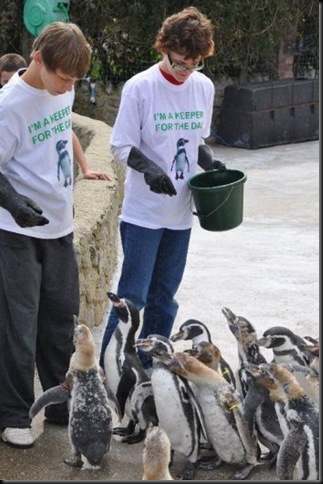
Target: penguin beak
144,344
265,342
177,336
116,301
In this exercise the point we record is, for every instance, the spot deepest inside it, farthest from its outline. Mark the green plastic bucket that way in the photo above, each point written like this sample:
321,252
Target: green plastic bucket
218,198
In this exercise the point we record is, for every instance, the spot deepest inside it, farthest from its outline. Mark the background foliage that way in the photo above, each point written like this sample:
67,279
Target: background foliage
249,34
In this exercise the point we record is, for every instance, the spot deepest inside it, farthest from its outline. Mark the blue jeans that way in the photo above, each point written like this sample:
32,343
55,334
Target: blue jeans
152,270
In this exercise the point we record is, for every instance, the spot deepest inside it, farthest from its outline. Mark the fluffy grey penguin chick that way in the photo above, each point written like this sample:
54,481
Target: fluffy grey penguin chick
90,417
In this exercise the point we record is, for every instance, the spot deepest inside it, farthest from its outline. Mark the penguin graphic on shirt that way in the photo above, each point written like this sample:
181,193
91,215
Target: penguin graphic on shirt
64,162
180,159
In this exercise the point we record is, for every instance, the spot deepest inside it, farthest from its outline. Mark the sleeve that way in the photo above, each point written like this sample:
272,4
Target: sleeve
126,131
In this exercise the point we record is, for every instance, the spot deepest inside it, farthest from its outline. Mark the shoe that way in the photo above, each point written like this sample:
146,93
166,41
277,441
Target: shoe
18,437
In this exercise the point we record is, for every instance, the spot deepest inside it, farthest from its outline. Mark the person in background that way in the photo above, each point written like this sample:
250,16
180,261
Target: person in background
39,282
164,116
9,64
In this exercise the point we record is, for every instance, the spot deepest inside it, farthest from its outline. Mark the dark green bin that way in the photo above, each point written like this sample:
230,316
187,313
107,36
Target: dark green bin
218,198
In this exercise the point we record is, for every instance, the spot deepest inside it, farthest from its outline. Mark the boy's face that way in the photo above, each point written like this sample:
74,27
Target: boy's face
56,83
5,76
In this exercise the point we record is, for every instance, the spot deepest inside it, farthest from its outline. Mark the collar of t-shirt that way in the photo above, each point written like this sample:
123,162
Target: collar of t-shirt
170,78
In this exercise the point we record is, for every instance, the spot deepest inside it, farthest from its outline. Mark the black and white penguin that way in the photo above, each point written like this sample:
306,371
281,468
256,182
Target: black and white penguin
180,159
90,417
177,409
126,378
258,407
298,415
64,162
287,346
294,353
195,330
156,455
221,406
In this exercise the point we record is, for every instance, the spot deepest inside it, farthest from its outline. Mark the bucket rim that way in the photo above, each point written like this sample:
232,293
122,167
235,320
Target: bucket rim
219,187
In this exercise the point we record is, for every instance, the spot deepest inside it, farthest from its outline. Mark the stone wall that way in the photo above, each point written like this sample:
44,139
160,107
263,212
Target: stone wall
96,208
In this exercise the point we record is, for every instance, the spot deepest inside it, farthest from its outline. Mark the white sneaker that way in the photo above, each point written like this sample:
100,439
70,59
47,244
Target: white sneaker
18,437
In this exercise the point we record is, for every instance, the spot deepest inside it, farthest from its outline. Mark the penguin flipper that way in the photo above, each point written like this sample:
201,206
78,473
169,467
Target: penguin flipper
124,388
114,402
143,405
58,394
188,394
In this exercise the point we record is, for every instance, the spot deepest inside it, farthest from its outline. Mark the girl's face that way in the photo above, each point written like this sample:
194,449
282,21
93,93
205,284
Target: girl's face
181,67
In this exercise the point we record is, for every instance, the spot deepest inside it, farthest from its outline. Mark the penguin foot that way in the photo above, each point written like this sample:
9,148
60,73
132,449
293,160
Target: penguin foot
209,463
134,438
270,457
74,461
120,431
242,473
188,472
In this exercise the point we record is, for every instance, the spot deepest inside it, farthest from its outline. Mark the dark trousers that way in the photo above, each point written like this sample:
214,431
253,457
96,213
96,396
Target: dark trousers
39,294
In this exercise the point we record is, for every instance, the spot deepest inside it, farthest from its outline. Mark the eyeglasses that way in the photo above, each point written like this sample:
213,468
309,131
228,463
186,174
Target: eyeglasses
183,67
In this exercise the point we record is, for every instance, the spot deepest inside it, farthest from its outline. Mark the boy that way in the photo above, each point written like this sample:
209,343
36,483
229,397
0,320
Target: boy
9,64
39,286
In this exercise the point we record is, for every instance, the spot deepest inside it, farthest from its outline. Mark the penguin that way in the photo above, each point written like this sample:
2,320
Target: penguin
307,377
195,330
287,346
298,415
125,376
178,412
221,406
314,348
156,455
90,416
180,159
64,162
289,453
294,353
258,407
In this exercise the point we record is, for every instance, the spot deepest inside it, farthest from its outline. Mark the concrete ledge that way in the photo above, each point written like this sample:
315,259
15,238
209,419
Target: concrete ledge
96,204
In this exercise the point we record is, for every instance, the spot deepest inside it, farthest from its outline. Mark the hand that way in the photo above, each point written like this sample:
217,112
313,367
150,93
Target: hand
27,213
218,165
160,183
96,175
154,176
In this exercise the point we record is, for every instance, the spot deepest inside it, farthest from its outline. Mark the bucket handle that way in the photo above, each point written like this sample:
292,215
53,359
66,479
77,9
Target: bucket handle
215,209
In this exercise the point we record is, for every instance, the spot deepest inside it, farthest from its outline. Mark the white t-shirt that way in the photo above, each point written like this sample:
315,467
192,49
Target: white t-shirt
36,154
167,122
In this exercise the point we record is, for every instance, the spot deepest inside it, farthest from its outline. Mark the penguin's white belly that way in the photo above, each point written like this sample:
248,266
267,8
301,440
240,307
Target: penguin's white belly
113,361
170,412
224,438
265,430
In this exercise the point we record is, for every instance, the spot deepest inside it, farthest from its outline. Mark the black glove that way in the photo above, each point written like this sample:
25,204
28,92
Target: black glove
206,160
25,211
154,176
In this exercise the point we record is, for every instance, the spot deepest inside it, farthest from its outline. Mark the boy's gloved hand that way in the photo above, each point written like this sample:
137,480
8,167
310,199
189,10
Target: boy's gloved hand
25,211
206,160
154,176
